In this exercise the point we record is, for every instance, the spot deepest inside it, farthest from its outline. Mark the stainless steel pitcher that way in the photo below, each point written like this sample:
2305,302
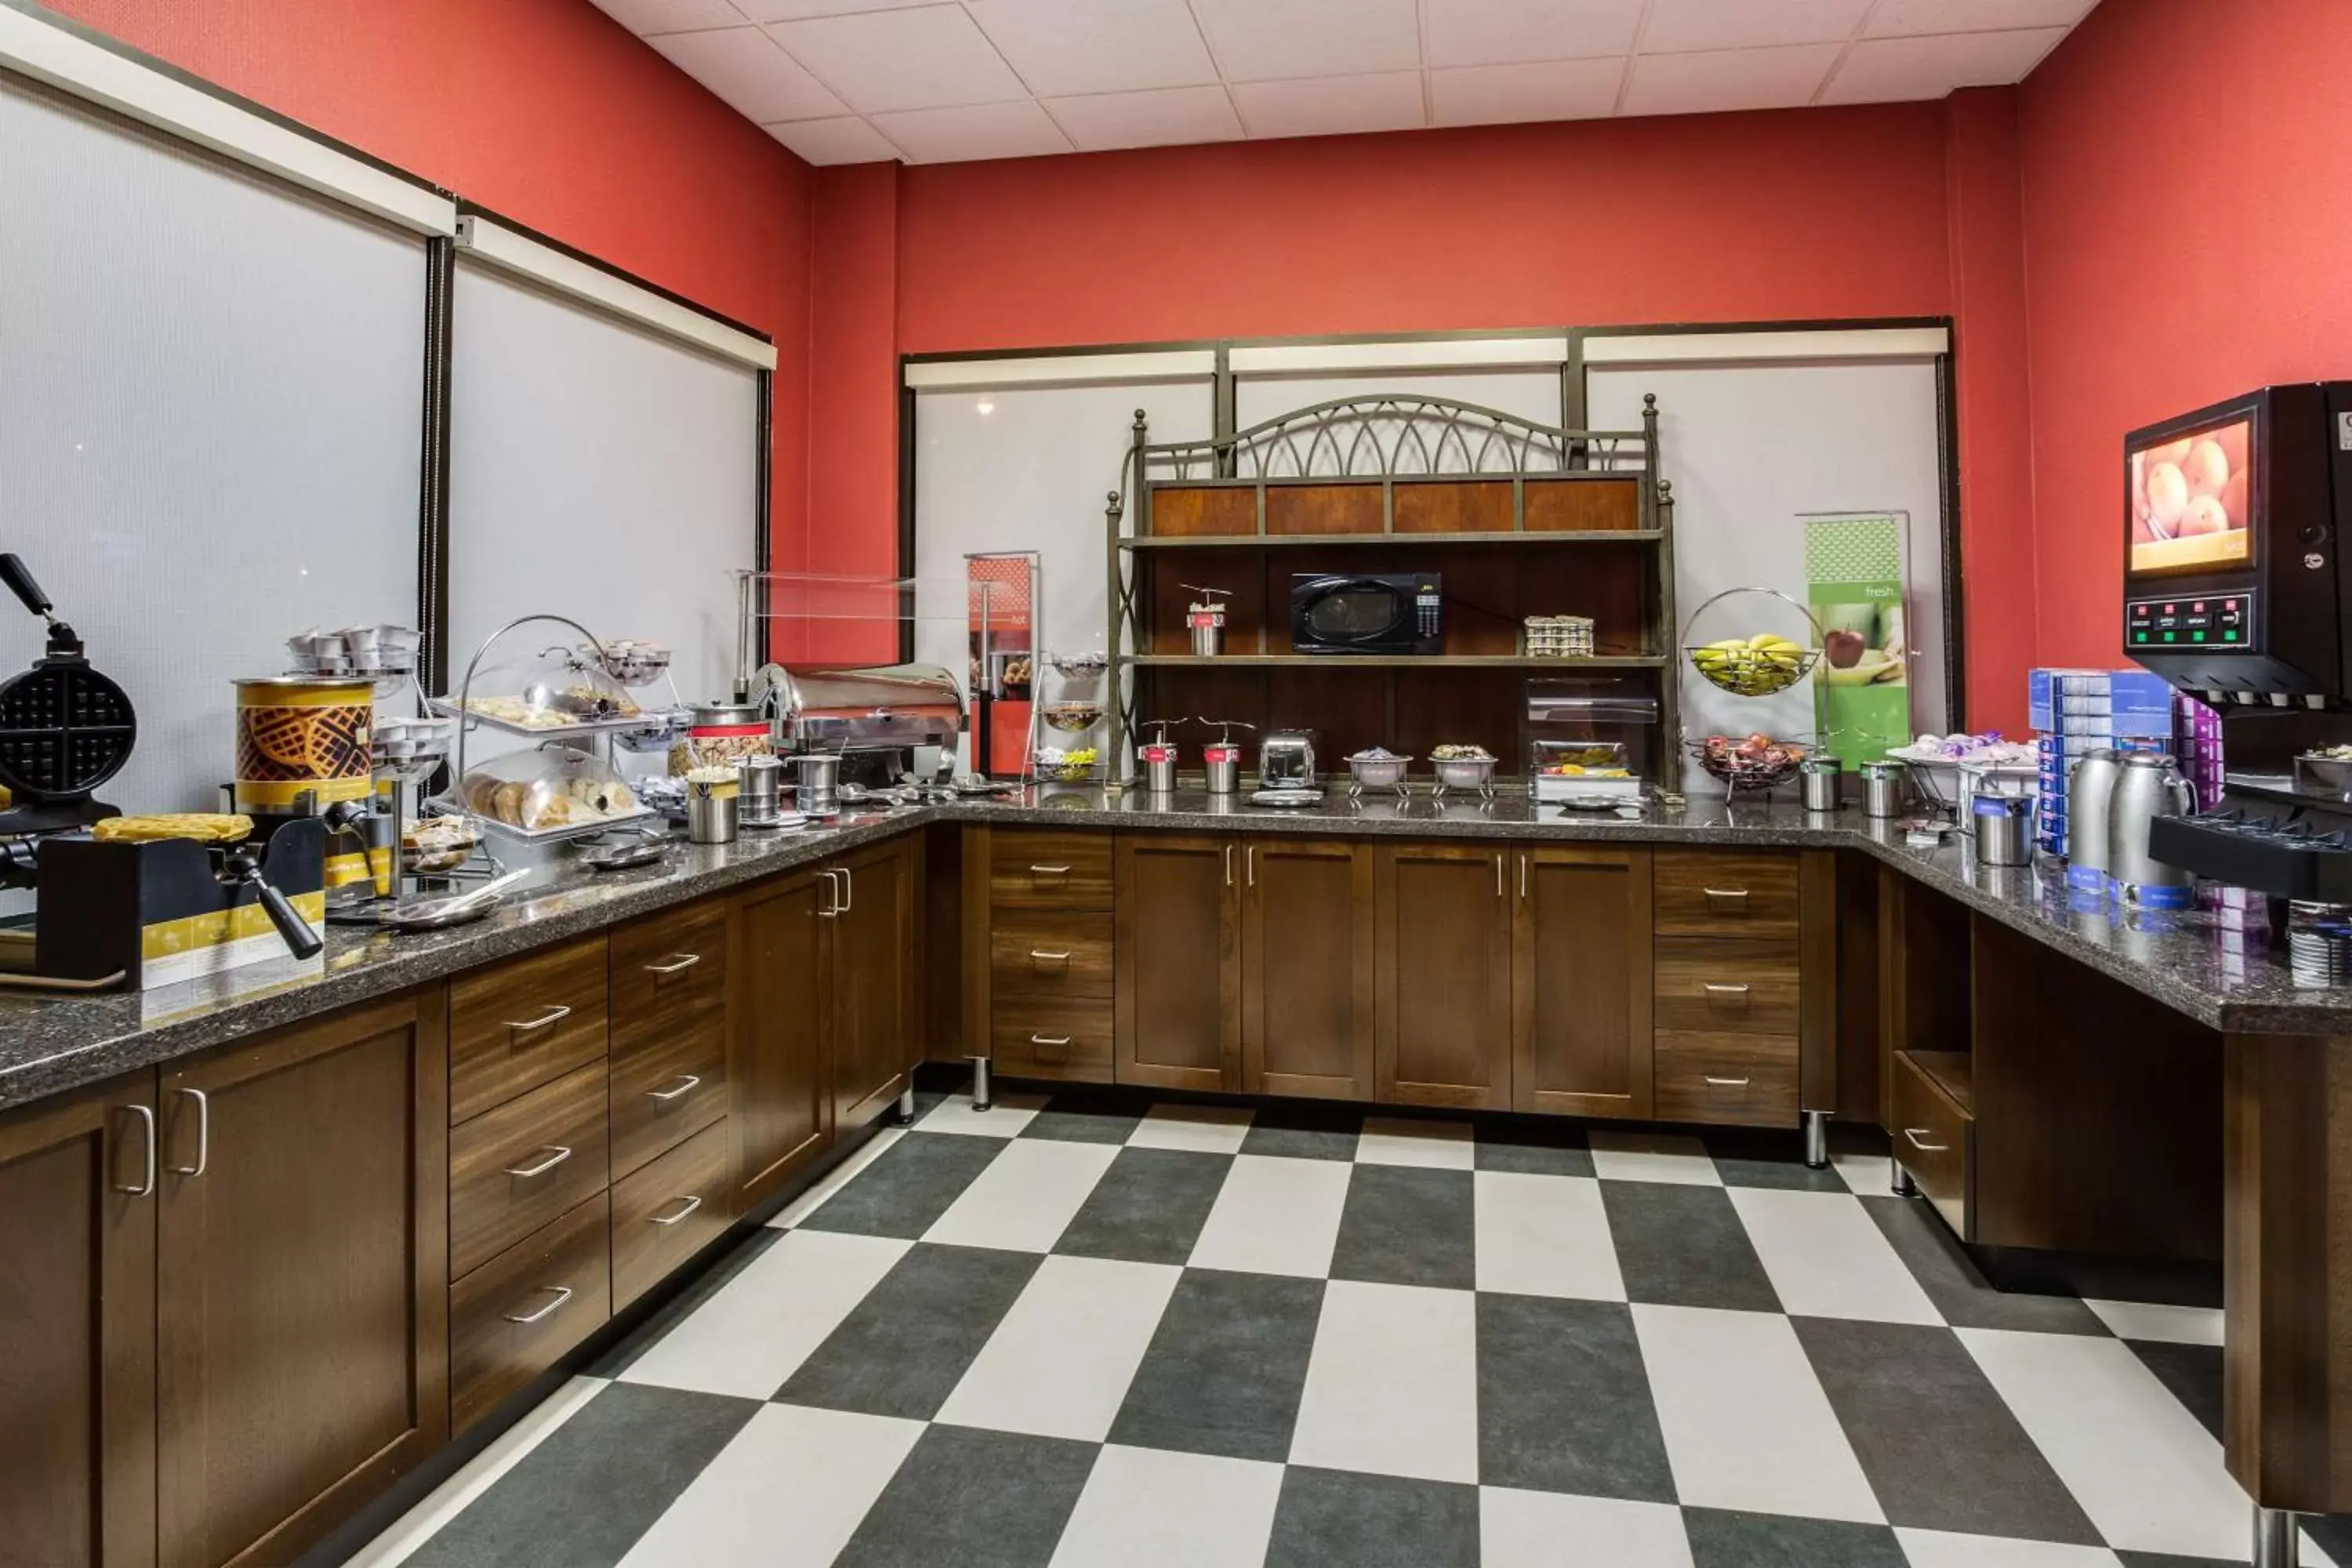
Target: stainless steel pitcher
2148,787
2090,791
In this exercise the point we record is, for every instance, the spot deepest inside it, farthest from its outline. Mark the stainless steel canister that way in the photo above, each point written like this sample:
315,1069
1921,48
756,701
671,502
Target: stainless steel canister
1159,766
1817,776
820,783
1882,788
763,788
712,810
1221,761
2004,828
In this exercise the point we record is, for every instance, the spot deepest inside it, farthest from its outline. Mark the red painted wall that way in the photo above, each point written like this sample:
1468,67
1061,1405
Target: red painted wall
2187,225
853,425
547,112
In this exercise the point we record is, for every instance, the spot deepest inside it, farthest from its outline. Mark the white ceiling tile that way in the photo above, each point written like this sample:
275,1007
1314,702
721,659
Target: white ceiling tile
1681,25
1062,47
1506,32
931,57
1165,117
1728,79
1895,18
1539,89
644,16
1260,40
1331,105
743,66
976,130
794,10
848,140
1884,70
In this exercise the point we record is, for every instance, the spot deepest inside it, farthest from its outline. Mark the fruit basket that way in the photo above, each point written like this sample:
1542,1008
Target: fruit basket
1754,763
1756,664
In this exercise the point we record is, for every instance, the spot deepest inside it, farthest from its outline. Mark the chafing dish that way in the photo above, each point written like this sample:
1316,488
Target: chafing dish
885,721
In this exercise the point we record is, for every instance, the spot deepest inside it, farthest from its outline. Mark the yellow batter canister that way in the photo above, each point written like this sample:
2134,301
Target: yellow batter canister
304,734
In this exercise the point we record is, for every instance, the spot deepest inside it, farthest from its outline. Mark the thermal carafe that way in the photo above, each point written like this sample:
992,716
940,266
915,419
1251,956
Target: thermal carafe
2148,786
2090,791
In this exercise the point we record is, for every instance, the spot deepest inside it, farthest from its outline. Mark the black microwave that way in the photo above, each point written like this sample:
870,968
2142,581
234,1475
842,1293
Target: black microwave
1378,612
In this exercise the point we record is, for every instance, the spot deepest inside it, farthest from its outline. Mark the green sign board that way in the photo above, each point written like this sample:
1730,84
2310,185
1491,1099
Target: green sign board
1853,584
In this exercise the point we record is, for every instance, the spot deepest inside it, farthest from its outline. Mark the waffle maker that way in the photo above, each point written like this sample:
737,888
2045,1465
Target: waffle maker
65,727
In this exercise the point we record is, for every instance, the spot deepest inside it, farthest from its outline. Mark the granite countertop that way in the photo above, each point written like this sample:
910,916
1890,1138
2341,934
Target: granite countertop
2194,962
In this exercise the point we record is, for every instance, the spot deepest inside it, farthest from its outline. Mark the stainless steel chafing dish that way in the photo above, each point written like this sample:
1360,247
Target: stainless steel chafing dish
885,721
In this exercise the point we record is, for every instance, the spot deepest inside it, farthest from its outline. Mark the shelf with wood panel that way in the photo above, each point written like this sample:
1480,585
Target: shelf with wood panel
1392,661
1520,537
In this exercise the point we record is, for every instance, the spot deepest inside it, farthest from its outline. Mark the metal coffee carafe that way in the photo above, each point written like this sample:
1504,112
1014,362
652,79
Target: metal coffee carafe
2148,787
2090,793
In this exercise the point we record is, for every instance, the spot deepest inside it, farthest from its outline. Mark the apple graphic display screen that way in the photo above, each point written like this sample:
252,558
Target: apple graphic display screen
2190,499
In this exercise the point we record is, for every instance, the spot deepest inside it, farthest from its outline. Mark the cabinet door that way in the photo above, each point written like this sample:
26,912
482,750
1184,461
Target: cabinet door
1443,960
303,1278
873,971
1580,982
780,1093
77,1357
1307,968
1176,957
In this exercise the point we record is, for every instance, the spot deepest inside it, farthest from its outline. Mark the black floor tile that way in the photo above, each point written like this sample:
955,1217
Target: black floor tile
730,1261
1564,1405
903,1349
974,1499
1954,1286
2193,1375
1304,1129
908,1186
1753,1157
584,1496
2333,1534
1533,1148
1089,1115
1149,1207
1225,1368
1939,1445
1684,1247
1406,1226
2165,1560
1721,1539
1329,1517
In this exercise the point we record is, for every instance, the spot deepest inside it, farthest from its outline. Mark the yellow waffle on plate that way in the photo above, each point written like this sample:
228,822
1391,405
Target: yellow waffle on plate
208,826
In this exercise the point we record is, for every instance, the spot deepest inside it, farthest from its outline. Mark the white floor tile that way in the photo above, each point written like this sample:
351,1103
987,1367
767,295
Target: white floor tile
1060,1364
1545,1236
1744,1420
760,1325
444,1503
1393,1385
787,1492
1827,1259
1172,1511
1653,1157
1935,1549
1007,1115
1201,1129
2149,1320
1866,1176
1400,1140
1275,1217
1547,1530
2148,1474
1025,1197
840,1176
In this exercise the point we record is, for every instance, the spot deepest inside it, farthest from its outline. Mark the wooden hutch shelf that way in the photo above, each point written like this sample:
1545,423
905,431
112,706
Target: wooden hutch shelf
1337,662
1423,540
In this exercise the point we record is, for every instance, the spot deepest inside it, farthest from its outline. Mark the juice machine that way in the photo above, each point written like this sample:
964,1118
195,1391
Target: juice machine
2236,517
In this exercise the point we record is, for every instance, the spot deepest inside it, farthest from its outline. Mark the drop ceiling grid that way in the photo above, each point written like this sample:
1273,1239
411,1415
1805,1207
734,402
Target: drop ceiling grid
940,80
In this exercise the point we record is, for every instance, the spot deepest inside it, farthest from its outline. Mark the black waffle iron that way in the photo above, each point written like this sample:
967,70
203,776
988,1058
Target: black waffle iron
65,727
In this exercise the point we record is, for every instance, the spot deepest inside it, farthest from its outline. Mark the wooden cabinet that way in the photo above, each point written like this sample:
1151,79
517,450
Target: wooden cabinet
516,1168
1726,892
1177,952
669,1032
516,1316
1307,968
779,1083
78,1178
1441,960
871,1010
518,1025
302,1279
668,1211
1580,982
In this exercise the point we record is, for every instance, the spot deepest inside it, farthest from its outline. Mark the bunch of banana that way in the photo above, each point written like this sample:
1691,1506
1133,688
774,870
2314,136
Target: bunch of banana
1751,666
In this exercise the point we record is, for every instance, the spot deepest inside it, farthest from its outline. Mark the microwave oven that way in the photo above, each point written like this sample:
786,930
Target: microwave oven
1367,612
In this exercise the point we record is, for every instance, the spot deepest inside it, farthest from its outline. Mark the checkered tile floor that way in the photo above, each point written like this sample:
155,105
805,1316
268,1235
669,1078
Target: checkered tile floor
1103,1330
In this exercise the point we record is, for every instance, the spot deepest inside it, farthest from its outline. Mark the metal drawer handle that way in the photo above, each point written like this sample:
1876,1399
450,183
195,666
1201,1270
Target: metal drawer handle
683,960
1728,1082
562,1294
691,1204
552,1015
833,904
560,1155
1049,1039
1725,893
1049,870
203,1133
685,1086
1923,1147
146,1114
1715,989
1049,957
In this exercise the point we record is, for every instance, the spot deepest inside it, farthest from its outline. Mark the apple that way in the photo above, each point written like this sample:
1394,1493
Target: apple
2204,515
2233,499
2207,469
2168,497
1843,649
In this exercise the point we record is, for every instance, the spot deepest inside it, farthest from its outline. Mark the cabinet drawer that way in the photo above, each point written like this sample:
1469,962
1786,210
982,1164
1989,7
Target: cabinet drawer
666,1089
516,1316
514,1169
1041,1036
1044,953
1934,1140
1714,892
1722,1079
667,1212
523,1024
1707,983
670,976
1035,870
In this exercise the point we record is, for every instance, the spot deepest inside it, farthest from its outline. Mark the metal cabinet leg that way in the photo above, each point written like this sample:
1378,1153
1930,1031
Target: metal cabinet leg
907,1102
1817,1139
1904,1186
980,1101
2278,1542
